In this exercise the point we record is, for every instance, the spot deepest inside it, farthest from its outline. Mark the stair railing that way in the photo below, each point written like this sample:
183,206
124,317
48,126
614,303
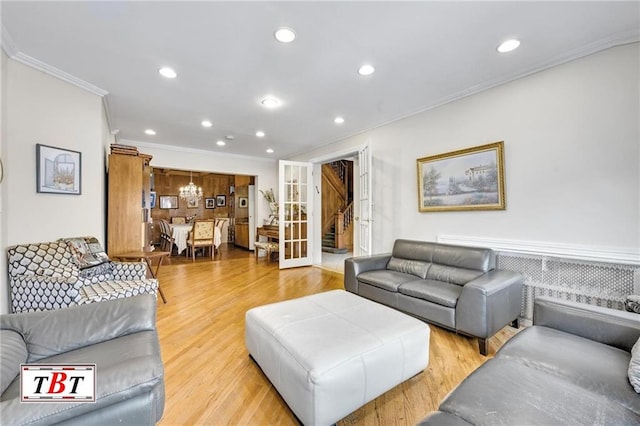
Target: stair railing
342,221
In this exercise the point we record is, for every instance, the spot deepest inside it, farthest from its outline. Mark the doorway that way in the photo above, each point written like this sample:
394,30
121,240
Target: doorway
337,212
360,232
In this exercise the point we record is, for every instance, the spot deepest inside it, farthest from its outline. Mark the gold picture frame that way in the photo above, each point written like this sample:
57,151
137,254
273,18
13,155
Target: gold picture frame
467,179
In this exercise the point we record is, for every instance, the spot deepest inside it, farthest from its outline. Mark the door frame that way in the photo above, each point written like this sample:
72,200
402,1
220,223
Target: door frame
351,152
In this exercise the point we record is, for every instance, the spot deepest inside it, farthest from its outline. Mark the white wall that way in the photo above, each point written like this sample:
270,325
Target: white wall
173,157
572,155
43,109
4,298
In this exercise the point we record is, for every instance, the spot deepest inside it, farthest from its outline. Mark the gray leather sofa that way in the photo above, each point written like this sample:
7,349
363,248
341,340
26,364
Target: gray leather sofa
451,286
569,368
119,336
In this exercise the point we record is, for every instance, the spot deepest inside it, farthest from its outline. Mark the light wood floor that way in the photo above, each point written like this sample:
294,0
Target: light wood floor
209,377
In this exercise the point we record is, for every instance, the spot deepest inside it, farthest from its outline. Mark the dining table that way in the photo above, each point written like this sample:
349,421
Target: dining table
180,233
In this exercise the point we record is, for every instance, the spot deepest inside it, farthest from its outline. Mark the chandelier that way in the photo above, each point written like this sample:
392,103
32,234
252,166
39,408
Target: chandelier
191,193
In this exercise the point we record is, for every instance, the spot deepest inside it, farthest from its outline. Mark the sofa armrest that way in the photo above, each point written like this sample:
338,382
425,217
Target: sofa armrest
354,266
489,302
53,332
612,327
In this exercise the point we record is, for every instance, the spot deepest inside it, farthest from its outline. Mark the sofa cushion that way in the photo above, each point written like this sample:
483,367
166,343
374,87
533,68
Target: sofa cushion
634,367
569,356
452,274
385,279
478,258
413,250
110,290
507,392
87,251
438,292
14,352
27,259
408,266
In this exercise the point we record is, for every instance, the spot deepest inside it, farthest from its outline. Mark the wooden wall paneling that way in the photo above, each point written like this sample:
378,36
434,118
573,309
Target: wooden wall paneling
168,182
331,202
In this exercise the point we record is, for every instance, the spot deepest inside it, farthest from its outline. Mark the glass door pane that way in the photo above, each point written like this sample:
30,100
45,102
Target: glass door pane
295,214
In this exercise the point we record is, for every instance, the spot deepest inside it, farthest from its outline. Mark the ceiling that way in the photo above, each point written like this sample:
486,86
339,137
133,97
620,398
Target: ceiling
227,60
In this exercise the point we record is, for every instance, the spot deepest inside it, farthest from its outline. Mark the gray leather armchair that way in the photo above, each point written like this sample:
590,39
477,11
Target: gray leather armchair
119,336
451,286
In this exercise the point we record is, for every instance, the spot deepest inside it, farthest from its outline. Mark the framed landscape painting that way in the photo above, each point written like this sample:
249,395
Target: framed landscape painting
468,179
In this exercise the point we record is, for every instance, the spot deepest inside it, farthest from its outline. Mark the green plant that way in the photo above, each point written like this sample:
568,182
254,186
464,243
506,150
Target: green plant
269,195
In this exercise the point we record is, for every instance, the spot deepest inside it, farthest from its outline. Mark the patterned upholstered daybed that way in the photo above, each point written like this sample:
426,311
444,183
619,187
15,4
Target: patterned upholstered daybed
70,271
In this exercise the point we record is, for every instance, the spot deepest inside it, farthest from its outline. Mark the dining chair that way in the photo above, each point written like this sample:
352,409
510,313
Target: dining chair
201,236
178,219
166,236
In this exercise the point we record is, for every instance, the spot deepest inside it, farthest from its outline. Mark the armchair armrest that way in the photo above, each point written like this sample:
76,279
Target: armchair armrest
489,302
356,265
60,292
52,332
612,327
128,270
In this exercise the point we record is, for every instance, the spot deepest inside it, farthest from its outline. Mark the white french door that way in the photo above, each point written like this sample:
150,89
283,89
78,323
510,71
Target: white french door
366,205
295,213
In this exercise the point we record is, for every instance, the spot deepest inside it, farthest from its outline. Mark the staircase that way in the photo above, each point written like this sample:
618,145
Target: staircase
329,242
337,206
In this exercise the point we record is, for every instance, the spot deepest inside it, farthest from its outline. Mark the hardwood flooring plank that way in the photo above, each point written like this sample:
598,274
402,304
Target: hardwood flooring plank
209,377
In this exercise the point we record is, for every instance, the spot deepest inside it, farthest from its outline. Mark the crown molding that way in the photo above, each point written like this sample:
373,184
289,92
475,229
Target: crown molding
8,45
11,49
620,39
569,251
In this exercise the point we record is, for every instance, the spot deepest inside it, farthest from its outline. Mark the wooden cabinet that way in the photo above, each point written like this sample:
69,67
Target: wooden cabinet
242,235
128,226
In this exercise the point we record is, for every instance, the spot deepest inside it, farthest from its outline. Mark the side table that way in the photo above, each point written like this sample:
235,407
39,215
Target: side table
147,256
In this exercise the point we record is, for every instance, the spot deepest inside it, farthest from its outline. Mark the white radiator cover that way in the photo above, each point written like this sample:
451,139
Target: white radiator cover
602,276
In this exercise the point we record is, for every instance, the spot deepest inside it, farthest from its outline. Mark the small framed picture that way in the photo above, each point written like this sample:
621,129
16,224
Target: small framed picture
58,170
209,203
152,199
243,202
192,204
168,201
221,200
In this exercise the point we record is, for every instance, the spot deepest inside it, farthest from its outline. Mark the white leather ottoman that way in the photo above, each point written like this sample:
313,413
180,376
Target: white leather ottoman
330,353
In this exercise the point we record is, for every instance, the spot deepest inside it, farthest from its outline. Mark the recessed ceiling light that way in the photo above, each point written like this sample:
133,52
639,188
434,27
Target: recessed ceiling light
260,134
167,72
285,35
366,69
270,102
269,151
338,120
508,46
220,143
206,123
150,132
